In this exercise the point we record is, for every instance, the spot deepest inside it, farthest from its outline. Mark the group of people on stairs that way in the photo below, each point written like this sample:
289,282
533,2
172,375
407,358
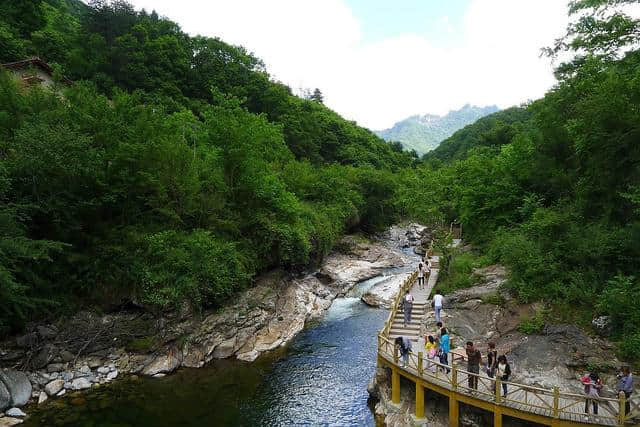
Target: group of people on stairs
437,346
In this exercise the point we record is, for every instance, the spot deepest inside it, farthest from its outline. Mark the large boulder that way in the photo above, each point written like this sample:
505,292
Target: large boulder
164,363
18,385
602,325
5,397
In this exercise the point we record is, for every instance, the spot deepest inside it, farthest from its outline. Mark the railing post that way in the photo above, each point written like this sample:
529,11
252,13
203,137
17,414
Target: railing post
498,386
622,411
556,402
454,376
419,400
420,368
395,385
395,354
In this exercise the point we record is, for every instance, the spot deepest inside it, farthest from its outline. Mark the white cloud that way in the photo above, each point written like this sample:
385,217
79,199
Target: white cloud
318,43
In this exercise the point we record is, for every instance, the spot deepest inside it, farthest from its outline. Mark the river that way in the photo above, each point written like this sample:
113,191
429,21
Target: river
319,378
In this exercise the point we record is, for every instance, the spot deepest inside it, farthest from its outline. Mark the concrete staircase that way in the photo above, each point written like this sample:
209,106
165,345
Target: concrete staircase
412,330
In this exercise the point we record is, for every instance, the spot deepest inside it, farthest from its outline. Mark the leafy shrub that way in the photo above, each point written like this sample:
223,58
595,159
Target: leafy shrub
460,272
533,325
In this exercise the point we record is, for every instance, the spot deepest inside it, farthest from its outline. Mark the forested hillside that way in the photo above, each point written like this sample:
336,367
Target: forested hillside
174,168
552,190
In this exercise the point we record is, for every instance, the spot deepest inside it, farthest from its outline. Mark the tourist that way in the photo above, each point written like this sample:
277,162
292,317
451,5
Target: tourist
420,275
407,307
437,305
492,360
503,371
625,384
438,328
445,347
474,358
404,346
432,348
592,385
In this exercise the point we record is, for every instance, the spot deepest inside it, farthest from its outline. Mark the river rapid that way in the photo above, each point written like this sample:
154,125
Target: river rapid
319,378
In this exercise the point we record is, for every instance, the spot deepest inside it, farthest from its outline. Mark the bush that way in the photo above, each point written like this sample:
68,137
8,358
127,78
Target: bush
197,266
459,275
533,325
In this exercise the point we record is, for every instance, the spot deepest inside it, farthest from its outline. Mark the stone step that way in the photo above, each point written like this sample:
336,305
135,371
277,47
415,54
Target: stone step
405,333
410,325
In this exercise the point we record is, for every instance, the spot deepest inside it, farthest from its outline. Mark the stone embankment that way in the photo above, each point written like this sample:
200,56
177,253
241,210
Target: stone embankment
90,350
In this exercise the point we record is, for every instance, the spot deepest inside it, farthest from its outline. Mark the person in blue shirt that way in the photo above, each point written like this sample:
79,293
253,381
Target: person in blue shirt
625,384
444,347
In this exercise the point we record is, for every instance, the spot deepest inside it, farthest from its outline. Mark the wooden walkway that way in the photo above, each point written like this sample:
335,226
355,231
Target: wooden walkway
544,406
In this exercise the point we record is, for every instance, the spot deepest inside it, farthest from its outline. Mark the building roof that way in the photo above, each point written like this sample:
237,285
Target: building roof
33,62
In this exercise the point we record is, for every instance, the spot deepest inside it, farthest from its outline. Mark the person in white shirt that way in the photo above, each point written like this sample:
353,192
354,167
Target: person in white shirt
420,276
437,305
407,307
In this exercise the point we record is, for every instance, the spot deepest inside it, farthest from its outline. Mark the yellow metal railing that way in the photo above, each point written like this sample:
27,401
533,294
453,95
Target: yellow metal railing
549,403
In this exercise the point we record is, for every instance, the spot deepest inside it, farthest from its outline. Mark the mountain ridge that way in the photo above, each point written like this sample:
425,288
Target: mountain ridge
423,133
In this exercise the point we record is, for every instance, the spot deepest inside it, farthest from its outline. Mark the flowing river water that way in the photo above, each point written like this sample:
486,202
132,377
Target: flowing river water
319,378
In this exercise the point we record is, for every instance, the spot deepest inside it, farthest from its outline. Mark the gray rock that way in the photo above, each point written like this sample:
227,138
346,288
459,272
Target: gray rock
5,397
103,370
27,341
164,363
9,421
15,412
62,392
94,362
54,387
55,367
112,375
66,356
602,325
18,385
54,375
67,376
42,397
47,332
80,384
85,370
67,384
44,356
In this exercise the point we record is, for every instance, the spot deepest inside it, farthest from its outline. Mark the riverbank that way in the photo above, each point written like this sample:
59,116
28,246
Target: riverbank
91,350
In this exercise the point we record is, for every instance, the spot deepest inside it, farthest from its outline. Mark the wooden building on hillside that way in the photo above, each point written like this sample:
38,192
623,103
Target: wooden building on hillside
33,71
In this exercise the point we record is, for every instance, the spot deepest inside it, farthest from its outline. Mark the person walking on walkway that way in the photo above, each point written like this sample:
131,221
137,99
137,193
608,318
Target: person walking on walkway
437,305
592,385
503,371
407,307
474,358
492,360
445,347
421,275
625,384
432,348
404,347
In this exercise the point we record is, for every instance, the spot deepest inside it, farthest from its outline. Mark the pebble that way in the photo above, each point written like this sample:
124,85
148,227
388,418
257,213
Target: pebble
112,375
103,370
80,384
62,392
67,376
42,398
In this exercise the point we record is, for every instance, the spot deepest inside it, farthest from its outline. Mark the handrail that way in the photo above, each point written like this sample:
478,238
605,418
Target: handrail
553,403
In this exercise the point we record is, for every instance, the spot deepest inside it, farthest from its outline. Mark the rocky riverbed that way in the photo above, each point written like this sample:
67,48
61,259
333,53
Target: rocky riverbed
90,350
559,355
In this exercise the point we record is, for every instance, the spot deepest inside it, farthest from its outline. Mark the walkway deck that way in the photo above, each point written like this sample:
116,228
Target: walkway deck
544,406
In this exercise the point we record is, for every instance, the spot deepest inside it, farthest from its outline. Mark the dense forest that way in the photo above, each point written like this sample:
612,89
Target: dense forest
175,168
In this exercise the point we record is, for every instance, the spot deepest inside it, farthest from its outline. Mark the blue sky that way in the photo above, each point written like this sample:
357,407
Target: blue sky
434,19
380,61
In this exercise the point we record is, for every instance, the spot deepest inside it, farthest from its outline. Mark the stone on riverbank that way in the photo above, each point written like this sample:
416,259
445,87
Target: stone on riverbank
54,387
164,363
80,384
15,412
9,421
18,385
5,397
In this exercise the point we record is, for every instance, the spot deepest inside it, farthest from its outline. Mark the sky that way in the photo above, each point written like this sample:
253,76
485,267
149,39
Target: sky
380,61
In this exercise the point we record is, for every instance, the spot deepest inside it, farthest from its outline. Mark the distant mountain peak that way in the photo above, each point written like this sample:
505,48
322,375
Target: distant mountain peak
423,133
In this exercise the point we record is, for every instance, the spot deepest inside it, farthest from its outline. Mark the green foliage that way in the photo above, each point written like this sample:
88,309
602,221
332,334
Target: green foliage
535,324
459,274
